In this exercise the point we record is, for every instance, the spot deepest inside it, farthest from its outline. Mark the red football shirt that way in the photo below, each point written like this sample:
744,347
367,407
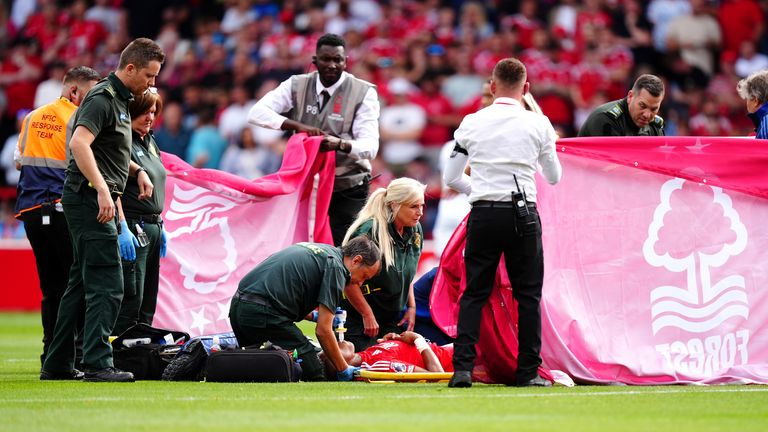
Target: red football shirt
399,356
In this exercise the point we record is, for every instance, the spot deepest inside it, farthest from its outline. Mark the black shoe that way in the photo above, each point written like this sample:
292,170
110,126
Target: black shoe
188,364
461,379
537,381
74,375
108,375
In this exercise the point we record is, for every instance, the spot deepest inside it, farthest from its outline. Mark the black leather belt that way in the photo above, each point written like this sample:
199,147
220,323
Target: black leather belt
500,204
146,218
251,298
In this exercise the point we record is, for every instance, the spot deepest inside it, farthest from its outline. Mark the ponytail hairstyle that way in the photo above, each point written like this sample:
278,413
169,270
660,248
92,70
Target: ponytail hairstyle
382,207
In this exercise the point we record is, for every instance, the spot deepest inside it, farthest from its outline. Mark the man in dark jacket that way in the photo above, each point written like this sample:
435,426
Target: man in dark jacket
635,115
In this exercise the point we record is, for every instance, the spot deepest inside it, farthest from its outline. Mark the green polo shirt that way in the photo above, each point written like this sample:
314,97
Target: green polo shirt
388,290
612,119
145,153
298,278
104,112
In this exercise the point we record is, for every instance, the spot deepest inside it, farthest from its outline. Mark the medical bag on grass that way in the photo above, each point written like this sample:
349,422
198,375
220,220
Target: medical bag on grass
268,363
145,351
189,363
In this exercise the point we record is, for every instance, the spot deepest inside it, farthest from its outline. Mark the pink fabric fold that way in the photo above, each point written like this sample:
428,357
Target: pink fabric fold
220,226
655,252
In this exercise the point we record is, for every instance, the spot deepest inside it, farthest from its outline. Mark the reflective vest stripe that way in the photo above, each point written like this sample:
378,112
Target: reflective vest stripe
22,144
43,162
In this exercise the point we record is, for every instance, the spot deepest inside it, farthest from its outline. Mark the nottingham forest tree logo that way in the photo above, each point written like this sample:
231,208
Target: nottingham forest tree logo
202,211
696,229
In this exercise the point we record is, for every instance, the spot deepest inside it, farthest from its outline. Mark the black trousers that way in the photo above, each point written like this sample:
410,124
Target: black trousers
53,256
343,209
151,286
140,279
491,231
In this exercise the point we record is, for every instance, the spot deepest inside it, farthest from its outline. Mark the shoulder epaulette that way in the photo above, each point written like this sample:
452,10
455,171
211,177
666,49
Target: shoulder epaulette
106,90
615,111
110,90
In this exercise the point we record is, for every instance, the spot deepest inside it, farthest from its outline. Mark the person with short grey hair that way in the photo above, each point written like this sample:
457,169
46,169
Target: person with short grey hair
286,288
754,90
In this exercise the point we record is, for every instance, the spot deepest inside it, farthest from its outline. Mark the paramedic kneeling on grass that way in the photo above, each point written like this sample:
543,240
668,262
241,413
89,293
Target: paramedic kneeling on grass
289,285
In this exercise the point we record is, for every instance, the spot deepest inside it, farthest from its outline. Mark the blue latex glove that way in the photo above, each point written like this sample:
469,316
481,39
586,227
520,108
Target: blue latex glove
128,242
348,374
163,243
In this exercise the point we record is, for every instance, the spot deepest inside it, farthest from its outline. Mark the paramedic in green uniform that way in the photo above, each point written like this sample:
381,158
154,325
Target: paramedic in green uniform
635,115
288,286
96,176
391,218
141,263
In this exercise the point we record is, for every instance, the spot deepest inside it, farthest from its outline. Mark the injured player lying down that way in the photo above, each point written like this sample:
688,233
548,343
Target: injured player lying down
404,352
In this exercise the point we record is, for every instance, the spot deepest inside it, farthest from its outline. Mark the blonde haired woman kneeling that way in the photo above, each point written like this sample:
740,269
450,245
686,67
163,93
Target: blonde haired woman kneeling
391,218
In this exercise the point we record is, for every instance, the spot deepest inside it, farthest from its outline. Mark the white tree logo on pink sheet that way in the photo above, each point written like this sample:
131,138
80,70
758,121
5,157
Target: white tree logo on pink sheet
201,207
694,239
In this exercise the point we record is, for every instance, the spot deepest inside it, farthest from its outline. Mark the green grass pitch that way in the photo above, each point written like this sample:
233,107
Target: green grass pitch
27,404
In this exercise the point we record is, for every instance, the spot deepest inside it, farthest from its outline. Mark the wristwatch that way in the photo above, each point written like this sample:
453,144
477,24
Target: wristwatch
345,146
140,169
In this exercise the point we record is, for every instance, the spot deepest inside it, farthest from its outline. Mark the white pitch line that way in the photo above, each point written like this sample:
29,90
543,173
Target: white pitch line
461,394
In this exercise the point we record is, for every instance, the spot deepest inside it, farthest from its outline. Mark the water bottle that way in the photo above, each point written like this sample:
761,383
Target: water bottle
341,316
215,346
137,341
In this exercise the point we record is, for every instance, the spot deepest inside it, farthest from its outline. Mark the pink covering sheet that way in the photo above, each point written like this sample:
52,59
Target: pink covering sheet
656,258
221,226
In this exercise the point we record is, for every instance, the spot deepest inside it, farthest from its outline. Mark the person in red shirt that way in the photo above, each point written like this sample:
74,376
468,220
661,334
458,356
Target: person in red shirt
404,352
84,34
740,20
20,72
710,121
442,117
525,23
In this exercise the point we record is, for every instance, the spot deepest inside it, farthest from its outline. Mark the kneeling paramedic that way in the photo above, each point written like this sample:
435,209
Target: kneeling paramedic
288,286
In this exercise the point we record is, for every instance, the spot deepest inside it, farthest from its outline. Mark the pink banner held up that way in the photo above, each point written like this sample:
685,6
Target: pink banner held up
221,226
655,258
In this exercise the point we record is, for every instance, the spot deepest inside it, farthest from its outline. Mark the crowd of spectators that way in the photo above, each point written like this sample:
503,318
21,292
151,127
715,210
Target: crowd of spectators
428,58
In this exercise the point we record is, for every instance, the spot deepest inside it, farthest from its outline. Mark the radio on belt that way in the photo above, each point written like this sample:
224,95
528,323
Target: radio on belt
521,207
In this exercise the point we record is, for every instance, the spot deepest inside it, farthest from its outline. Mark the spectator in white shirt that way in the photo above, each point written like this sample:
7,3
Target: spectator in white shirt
235,116
401,124
750,60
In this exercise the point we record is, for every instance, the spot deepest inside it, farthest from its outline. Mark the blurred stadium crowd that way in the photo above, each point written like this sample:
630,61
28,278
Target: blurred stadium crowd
429,59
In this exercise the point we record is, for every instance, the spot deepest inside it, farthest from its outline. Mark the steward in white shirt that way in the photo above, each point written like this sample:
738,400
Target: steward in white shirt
503,144
342,108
